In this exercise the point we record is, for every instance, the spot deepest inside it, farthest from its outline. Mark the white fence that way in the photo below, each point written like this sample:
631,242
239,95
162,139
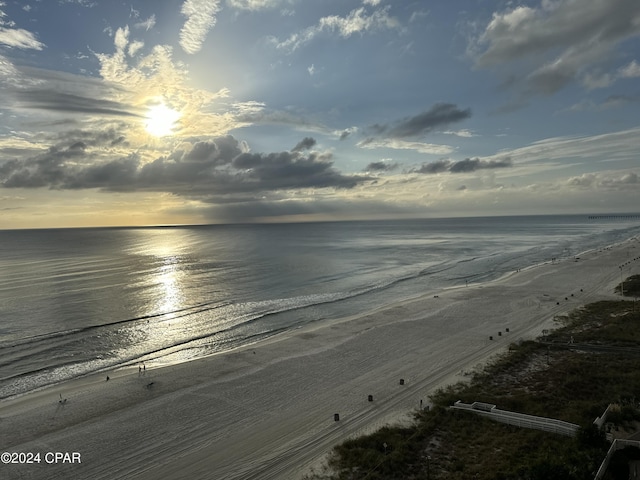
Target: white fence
542,423
519,419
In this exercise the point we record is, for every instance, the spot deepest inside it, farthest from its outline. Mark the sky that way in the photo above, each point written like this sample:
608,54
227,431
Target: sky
152,112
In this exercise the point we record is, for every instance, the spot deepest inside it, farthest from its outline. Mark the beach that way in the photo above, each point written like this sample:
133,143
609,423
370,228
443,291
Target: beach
267,410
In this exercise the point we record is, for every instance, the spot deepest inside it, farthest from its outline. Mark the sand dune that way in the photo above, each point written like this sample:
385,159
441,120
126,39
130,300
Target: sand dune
267,411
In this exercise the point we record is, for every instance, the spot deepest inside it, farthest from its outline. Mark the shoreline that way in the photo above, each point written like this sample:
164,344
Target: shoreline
266,410
160,361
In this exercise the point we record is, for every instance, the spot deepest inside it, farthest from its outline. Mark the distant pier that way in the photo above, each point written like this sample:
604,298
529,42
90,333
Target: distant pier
615,217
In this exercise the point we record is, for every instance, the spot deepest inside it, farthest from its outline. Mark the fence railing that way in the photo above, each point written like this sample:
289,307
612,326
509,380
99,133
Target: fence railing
616,445
519,419
545,424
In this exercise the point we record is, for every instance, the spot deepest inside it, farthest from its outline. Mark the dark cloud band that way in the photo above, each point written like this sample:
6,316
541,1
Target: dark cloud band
218,166
463,166
439,115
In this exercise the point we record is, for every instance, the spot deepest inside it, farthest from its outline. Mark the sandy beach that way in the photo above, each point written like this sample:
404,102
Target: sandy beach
266,411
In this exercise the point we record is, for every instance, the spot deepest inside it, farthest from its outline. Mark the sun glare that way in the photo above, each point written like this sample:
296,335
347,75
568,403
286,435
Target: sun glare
161,120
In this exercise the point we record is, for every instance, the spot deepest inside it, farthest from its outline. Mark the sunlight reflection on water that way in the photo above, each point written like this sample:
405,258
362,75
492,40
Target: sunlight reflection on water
75,302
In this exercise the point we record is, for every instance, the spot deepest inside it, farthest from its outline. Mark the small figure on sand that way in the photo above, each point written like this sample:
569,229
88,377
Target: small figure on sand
139,370
144,369
107,378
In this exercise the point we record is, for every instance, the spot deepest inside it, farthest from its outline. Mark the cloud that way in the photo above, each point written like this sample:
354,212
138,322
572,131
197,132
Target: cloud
147,24
80,98
605,180
254,5
155,77
464,133
358,20
463,166
201,17
630,71
593,80
622,145
82,3
111,136
344,134
439,115
121,38
612,101
473,164
42,170
422,147
219,166
55,101
305,144
19,38
418,15
381,166
256,113
322,208
8,72
567,24
395,134
287,170
615,101
439,166
556,43
134,47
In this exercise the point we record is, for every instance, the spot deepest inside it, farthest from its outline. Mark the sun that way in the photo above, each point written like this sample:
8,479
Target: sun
161,120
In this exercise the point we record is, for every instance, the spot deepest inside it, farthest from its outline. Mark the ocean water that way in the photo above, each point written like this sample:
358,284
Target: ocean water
79,301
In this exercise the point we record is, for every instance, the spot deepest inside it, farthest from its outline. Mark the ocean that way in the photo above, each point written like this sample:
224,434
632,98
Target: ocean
79,301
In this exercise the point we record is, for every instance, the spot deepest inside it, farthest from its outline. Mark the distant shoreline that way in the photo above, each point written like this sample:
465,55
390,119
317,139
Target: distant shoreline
590,216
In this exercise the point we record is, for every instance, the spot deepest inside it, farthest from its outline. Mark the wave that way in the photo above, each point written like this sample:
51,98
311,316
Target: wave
64,333
60,345
212,326
38,352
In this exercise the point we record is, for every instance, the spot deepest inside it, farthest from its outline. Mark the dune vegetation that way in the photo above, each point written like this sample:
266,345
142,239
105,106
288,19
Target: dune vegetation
571,373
